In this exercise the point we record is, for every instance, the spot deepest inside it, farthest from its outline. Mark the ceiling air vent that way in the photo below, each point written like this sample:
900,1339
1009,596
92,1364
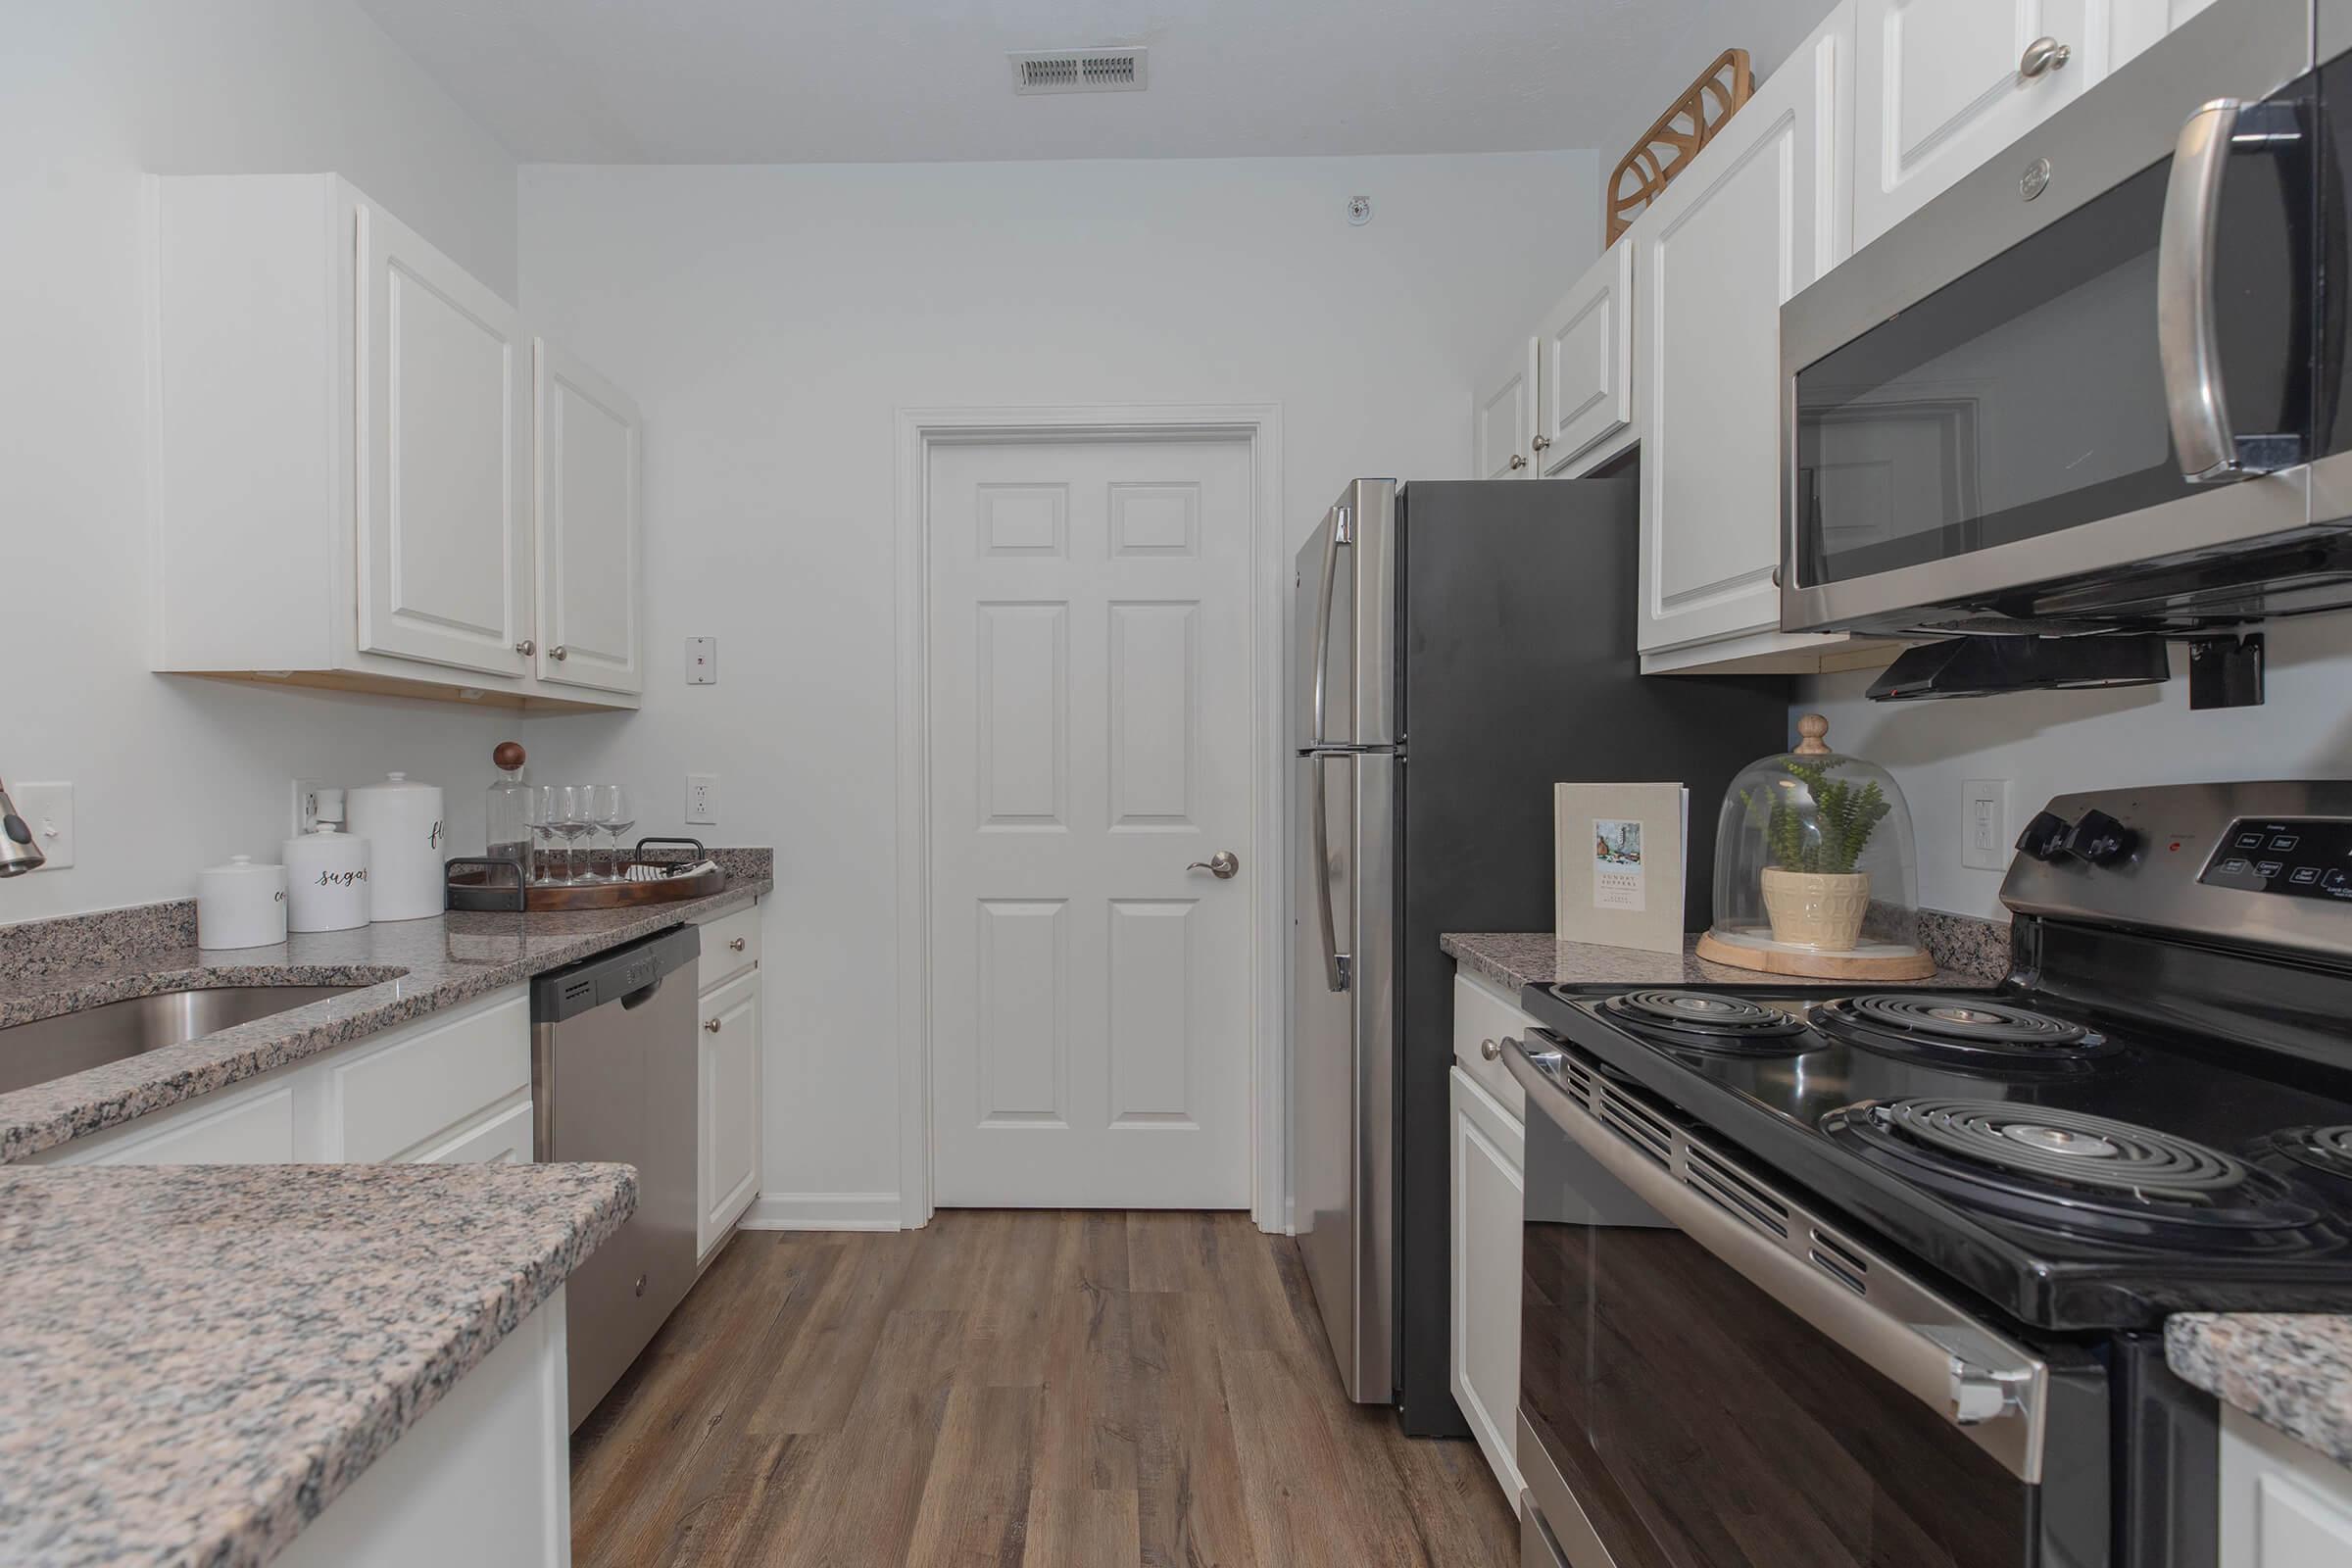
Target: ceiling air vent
1079,70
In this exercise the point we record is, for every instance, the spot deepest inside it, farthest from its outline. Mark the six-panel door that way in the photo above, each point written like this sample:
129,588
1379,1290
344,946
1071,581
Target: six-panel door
444,539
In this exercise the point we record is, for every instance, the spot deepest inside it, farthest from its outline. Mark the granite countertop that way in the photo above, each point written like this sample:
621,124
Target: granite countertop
2290,1369
404,969
1536,958
195,1360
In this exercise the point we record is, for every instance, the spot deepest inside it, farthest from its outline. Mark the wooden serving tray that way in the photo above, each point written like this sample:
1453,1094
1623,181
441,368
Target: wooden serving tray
495,885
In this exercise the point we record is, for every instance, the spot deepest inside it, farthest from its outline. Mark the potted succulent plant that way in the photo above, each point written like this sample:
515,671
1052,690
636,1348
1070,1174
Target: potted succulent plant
1817,827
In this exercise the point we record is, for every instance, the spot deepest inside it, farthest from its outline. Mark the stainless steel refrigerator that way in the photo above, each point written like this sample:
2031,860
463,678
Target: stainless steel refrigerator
1461,646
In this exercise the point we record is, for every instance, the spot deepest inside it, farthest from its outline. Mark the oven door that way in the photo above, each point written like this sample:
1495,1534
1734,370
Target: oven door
1710,1377
2053,394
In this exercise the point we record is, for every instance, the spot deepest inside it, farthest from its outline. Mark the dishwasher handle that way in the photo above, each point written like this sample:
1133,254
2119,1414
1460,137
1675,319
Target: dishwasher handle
643,994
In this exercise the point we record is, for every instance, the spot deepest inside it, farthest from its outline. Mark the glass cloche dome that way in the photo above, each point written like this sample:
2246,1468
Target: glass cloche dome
1815,870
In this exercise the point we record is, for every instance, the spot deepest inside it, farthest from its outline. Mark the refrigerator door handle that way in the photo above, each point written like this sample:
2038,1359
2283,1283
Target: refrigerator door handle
1335,963
1334,534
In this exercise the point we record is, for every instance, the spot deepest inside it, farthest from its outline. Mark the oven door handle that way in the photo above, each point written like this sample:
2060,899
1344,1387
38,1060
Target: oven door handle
1993,1391
2187,334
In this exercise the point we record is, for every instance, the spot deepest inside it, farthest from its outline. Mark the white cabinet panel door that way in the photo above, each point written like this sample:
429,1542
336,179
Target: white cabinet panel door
253,1129
2283,1504
1489,1154
1586,346
585,466
1090,709
1752,220
444,547
1502,419
1942,90
729,1134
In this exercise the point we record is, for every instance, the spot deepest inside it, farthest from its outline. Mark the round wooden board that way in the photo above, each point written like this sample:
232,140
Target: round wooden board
1912,965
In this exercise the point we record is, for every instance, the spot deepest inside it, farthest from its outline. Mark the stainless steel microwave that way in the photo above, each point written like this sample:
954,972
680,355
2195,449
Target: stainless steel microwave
2101,381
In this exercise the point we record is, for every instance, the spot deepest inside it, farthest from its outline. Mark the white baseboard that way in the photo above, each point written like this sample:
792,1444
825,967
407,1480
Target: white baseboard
822,1211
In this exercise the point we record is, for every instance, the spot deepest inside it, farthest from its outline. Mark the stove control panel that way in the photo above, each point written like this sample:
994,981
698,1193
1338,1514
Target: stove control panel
2302,858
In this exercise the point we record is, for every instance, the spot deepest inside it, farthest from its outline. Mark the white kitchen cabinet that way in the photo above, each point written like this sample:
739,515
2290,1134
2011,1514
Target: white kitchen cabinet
2283,1504
1585,370
1758,214
585,446
1502,417
729,1074
504,1137
2138,24
1488,1158
256,1128
1943,85
345,460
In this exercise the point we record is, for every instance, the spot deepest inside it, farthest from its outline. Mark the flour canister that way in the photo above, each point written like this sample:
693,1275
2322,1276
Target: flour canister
326,880
402,823
240,905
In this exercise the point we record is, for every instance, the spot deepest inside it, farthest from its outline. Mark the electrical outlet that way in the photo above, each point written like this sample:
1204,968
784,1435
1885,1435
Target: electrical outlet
1985,825
305,805
701,798
48,809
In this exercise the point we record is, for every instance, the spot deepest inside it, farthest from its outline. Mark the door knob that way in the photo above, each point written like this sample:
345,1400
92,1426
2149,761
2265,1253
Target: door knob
1490,1048
1518,462
1222,865
526,646
2042,56
713,1025
560,651
1542,443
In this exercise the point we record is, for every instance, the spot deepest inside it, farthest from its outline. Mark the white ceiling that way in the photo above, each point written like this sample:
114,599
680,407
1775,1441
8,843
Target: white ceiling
893,80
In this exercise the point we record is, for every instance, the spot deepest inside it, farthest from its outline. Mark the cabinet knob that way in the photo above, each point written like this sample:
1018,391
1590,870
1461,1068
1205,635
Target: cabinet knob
2042,56
735,946
526,648
713,1025
1490,1048
1542,442
560,651
1775,577
1518,460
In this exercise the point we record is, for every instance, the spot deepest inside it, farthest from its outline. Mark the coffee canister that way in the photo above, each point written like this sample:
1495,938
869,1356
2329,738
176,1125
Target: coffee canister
240,905
400,821
326,880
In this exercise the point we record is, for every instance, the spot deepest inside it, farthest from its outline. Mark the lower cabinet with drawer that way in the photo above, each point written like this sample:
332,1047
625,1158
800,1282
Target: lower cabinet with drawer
728,1073
1487,1159
2283,1504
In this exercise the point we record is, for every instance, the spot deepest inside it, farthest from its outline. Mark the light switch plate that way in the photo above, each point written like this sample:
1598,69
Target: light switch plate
48,809
702,660
701,799
1985,825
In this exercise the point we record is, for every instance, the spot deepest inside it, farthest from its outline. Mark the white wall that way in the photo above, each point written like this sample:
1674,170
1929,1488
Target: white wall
2052,743
771,320
172,775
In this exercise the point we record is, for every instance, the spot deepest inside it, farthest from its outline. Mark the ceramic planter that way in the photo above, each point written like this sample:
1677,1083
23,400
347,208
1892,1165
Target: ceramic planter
1816,908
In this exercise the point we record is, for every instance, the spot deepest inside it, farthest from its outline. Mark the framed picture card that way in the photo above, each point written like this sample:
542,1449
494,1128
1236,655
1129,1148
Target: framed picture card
1617,856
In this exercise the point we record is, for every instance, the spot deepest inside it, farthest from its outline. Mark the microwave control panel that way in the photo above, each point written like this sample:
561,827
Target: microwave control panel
2304,859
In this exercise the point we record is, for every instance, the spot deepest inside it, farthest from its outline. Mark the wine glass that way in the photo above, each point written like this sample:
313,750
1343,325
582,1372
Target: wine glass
543,812
577,823
559,818
616,813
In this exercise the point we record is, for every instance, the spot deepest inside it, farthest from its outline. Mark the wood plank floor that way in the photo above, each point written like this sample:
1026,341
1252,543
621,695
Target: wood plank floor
1086,1389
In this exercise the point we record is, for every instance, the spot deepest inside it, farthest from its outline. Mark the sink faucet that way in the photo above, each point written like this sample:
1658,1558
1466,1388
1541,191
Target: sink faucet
17,853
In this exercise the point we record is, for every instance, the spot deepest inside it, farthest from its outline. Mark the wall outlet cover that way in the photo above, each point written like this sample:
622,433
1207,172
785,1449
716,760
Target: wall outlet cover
305,805
702,660
47,808
1984,844
701,799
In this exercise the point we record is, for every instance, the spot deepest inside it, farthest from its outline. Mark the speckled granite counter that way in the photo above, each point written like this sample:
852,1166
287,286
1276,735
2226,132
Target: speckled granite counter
196,1360
1522,958
2290,1369
404,969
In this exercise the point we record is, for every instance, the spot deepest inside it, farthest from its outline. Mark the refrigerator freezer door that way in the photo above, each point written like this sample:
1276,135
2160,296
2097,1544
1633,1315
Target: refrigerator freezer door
1342,1073
1343,670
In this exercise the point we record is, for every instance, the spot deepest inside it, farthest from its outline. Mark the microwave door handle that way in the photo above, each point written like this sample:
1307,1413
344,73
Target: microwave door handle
2188,342
1335,963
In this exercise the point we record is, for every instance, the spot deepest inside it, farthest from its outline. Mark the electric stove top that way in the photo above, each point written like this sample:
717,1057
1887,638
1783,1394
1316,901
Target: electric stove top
2078,1171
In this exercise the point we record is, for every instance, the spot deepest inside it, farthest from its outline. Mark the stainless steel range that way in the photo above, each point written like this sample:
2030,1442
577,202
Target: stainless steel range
1881,1277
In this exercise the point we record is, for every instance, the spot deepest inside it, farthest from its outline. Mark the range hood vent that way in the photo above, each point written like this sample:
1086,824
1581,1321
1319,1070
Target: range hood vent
1080,71
1988,667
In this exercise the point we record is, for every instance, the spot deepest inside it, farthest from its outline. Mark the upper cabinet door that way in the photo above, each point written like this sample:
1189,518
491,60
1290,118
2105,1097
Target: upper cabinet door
586,479
444,544
1503,421
1947,84
1757,216
1586,345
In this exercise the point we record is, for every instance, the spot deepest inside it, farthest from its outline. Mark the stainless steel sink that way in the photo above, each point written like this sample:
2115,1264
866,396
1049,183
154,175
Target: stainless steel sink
52,1047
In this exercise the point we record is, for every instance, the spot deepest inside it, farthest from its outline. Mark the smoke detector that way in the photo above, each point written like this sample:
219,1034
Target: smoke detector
1079,70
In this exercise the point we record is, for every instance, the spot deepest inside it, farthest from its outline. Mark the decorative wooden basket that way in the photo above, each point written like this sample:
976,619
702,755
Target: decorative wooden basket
495,885
1669,145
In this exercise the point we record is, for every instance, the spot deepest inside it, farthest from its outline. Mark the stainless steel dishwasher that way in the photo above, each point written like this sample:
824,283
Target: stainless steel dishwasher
613,1078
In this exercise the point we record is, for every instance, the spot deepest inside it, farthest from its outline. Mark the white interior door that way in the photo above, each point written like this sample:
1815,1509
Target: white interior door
444,517
1090,711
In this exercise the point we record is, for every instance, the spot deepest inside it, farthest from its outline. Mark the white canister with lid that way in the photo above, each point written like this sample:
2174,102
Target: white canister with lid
402,823
240,905
326,880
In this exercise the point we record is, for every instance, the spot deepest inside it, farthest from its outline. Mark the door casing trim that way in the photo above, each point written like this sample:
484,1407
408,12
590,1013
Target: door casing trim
1260,425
